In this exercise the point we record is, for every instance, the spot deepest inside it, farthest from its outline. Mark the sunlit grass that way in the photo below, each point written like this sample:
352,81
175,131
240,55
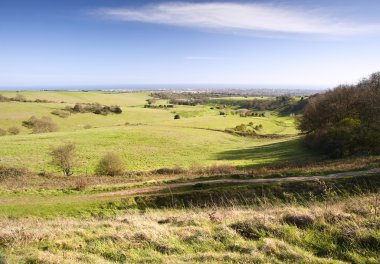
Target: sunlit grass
145,138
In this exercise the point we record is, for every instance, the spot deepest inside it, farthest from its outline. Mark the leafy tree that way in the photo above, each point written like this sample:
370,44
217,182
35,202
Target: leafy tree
345,120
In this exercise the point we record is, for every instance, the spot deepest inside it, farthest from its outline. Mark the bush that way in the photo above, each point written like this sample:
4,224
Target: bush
64,158
60,113
19,98
116,109
11,172
2,132
13,130
81,184
177,116
40,125
3,98
110,165
167,171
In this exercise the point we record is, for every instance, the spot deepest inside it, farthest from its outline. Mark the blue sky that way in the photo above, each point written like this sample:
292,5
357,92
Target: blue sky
124,42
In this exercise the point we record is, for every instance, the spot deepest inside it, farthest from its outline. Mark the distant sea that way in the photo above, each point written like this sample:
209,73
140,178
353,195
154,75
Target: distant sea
252,90
176,87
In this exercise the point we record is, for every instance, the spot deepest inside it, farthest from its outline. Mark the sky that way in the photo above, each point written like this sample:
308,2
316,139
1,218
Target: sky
128,42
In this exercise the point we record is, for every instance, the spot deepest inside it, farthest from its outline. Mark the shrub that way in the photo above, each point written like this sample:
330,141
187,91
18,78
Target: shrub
13,130
19,98
64,158
220,169
40,125
11,172
60,113
81,184
241,128
2,132
166,171
214,169
78,108
3,98
110,164
116,109
177,116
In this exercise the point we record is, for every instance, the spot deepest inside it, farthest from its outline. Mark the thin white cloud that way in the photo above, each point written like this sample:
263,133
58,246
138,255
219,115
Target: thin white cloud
239,16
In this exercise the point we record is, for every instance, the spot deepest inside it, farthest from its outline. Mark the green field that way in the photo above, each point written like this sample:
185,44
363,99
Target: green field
145,138
221,196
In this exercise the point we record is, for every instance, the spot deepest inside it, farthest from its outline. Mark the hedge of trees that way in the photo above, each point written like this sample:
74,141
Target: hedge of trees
95,108
22,98
345,120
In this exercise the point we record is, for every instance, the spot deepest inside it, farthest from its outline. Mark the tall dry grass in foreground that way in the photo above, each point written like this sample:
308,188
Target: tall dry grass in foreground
337,232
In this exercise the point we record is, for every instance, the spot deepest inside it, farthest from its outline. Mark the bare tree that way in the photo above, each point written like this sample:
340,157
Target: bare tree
64,158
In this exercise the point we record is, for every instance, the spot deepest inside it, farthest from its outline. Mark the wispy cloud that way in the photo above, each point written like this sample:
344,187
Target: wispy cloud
240,17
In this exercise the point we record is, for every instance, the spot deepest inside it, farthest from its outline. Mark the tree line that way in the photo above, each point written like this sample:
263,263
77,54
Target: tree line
345,120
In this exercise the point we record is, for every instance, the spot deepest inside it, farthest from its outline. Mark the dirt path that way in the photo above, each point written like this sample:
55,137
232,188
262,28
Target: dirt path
249,181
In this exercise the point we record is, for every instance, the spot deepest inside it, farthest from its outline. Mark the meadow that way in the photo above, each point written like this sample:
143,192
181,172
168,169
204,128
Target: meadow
193,189
145,138
332,232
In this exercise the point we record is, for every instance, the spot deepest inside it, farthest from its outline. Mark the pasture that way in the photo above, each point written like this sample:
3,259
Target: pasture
192,190
145,138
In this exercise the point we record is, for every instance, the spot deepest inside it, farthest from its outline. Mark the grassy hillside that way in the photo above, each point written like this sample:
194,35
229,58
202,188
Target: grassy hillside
332,221
145,138
333,232
230,202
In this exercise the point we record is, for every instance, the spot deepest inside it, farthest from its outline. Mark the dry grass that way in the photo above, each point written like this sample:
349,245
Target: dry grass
56,181
342,232
353,163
